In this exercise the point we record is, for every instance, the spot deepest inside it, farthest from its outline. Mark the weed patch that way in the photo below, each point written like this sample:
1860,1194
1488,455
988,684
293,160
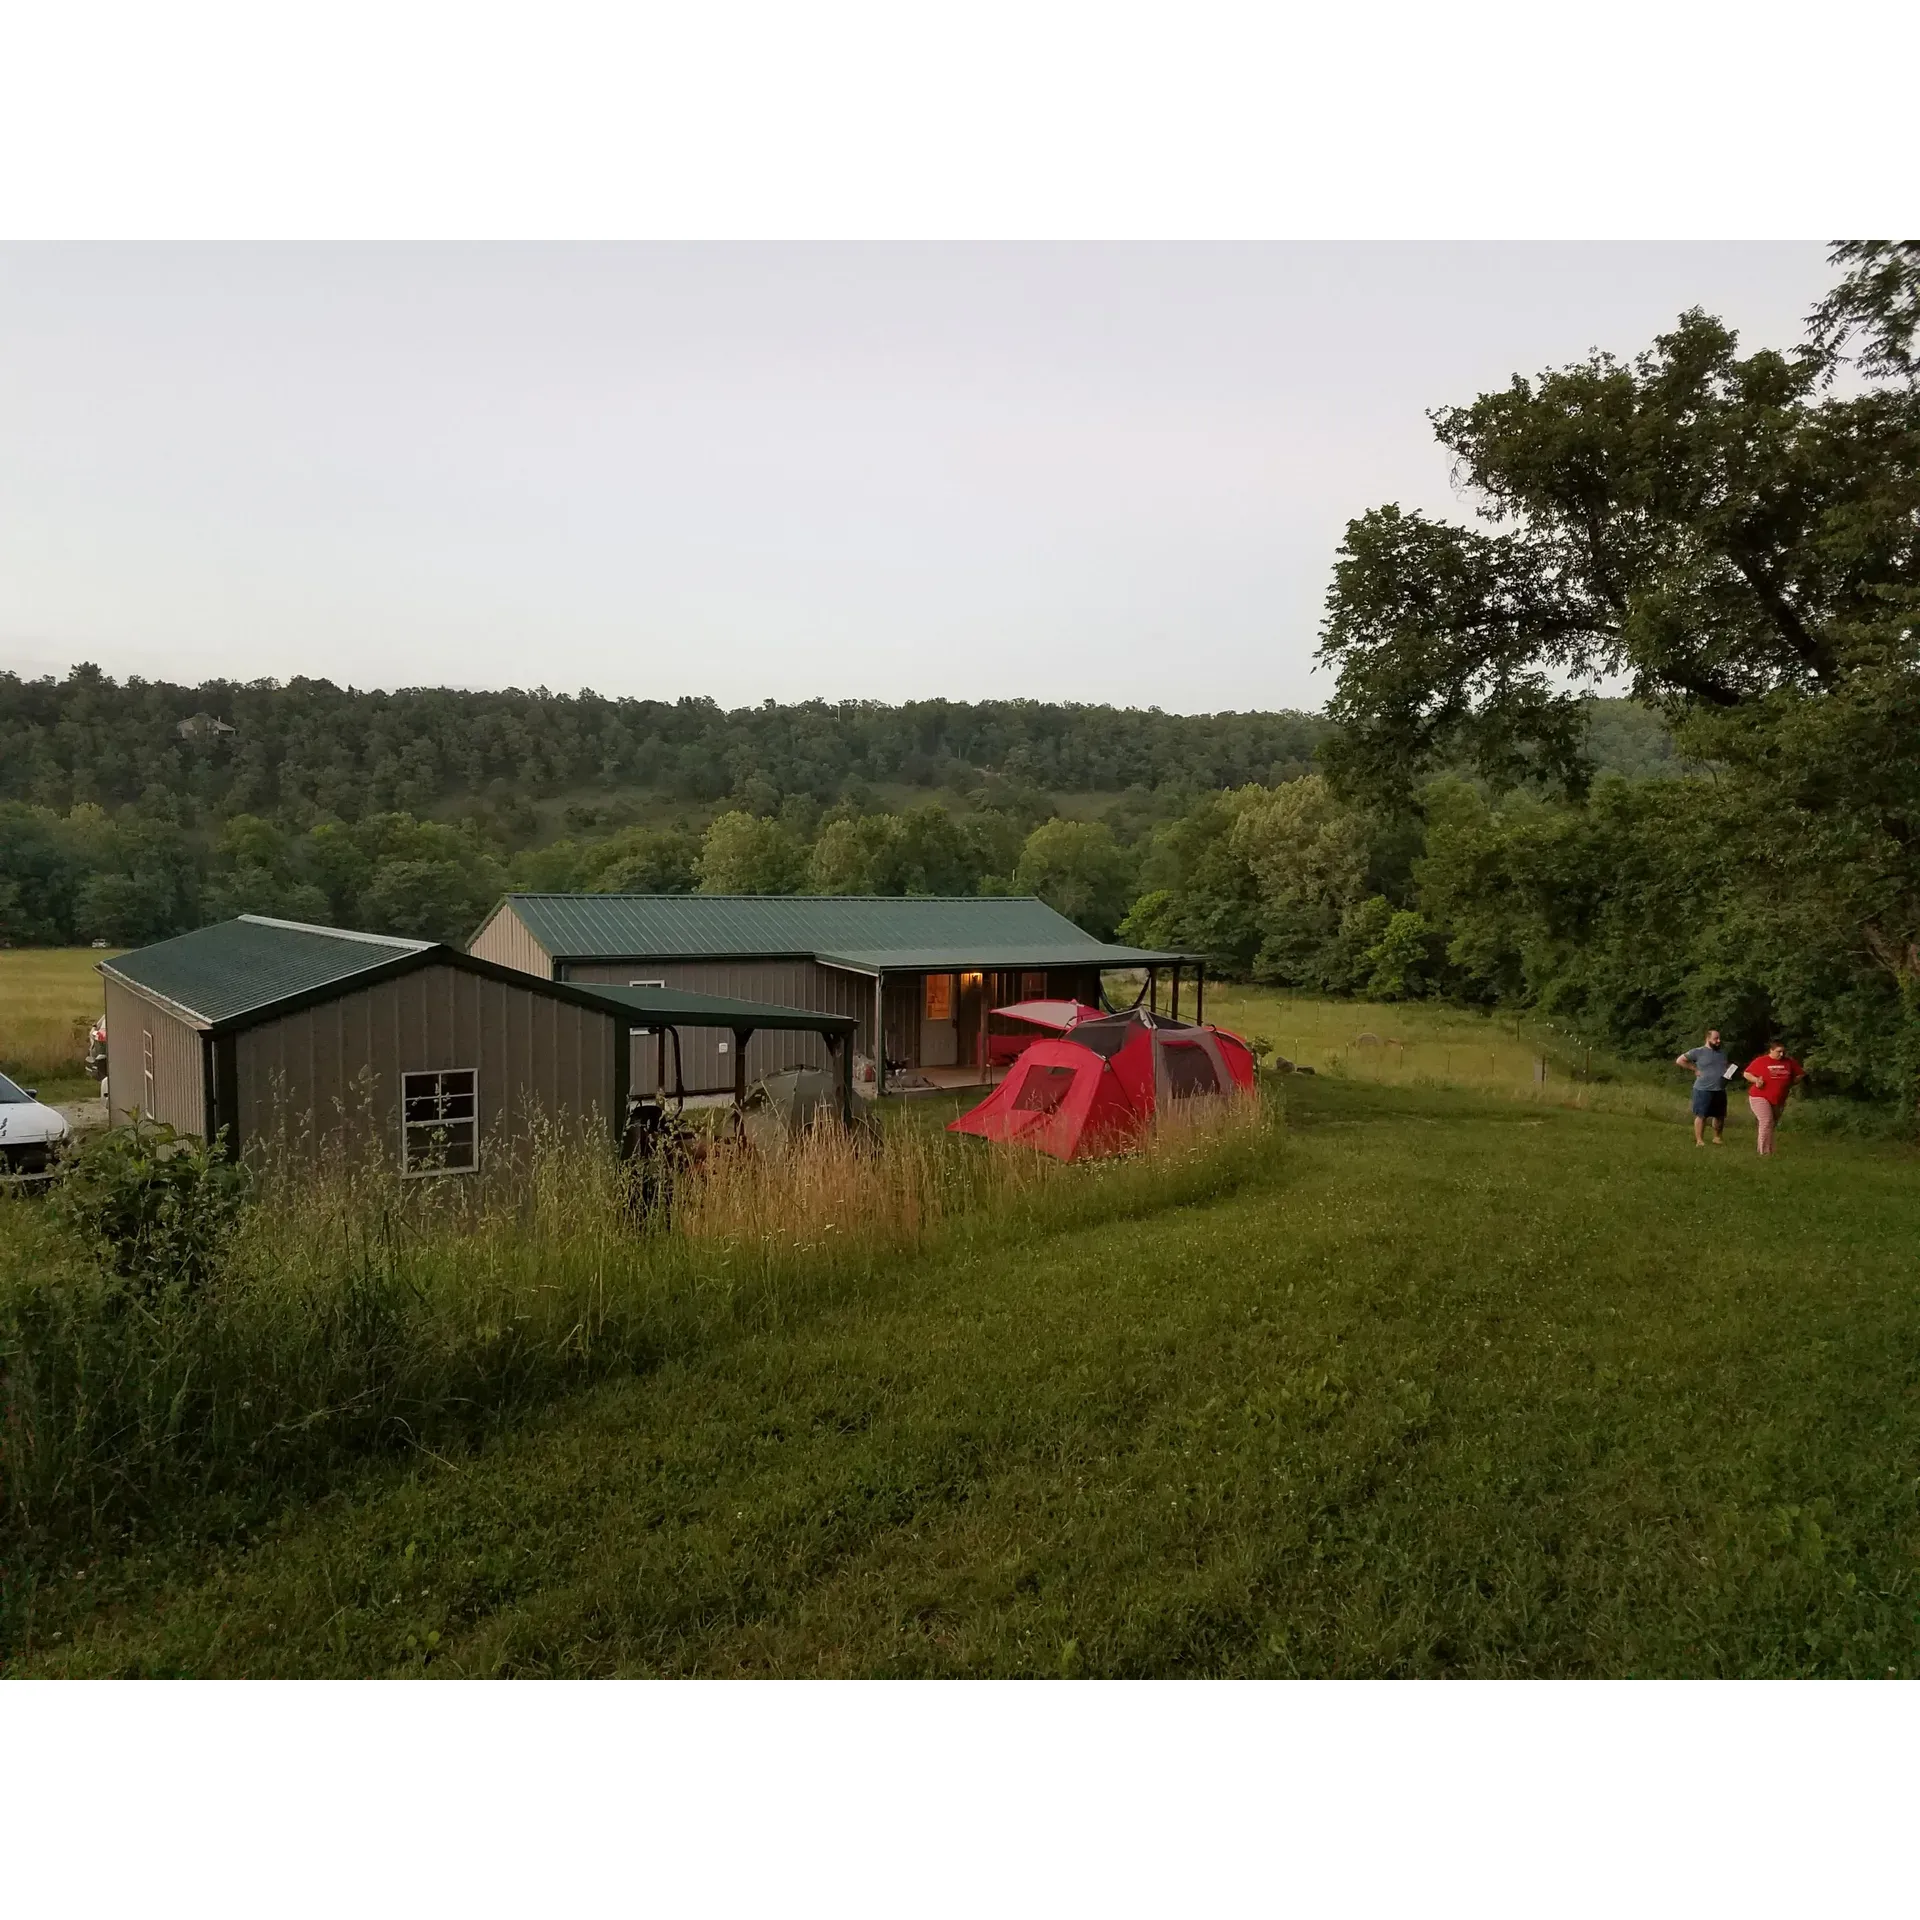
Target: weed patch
152,1350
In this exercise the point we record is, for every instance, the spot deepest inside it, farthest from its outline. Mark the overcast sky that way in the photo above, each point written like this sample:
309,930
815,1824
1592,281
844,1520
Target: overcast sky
1097,472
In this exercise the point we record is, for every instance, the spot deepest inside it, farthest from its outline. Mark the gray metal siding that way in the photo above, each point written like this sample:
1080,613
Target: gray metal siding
334,1069
780,983
506,941
179,1066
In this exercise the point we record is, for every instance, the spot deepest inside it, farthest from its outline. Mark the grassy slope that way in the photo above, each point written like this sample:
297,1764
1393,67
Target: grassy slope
1461,1386
1428,1043
48,997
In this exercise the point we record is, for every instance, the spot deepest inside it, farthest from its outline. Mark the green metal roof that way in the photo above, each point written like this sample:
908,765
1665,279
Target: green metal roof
223,975
1085,952
663,1006
915,934
237,967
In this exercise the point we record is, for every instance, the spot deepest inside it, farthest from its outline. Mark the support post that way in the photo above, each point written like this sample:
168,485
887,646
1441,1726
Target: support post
622,1081
1153,989
879,1034
1200,994
1174,1008
840,1052
741,1035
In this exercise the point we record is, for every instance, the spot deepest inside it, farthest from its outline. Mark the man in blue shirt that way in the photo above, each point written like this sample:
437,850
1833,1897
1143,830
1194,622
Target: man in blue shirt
1709,1066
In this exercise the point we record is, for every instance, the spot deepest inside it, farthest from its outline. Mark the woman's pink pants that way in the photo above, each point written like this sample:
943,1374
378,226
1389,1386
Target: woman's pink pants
1766,1113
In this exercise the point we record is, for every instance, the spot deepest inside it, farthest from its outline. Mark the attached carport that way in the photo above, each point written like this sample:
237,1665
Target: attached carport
663,1011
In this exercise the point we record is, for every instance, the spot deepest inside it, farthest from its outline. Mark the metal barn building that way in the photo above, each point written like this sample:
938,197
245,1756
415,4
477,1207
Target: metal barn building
924,972
273,1030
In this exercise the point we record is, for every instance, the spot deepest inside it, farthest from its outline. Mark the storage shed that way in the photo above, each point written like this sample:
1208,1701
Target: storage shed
921,975
270,1029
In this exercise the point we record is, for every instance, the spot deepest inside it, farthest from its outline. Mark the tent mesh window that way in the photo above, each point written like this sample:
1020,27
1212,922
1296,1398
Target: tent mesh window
1104,1037
439,1129
1189,1070
1043,1089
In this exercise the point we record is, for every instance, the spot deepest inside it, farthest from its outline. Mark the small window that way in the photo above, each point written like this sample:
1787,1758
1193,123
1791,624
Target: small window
1043,1090
939,996
146,1074
1033,986
439,1122
1189,1069
646,983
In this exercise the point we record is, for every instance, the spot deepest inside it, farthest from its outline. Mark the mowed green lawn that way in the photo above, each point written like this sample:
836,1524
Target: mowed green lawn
1456,1386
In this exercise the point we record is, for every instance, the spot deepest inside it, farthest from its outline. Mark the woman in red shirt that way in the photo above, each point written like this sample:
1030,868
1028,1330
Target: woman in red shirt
1772,1076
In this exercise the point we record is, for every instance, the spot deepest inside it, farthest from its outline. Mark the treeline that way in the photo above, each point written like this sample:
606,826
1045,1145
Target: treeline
87,875
1637,916
128,871
309,751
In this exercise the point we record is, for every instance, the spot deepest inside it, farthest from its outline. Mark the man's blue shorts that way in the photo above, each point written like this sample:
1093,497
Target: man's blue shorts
1709,1105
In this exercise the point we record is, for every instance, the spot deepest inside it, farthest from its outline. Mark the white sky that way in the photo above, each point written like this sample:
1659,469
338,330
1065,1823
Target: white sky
1110,472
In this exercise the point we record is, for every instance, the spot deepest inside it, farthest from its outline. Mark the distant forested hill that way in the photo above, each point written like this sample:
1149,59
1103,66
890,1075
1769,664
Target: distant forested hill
309,750
1629,739
128,812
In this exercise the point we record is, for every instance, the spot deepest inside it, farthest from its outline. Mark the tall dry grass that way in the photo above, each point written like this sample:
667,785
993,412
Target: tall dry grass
356,1312
49,996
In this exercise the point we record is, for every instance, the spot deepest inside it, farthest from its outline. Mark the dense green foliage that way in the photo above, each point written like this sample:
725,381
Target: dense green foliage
126,876
130,812
311,751
154,1207
1630,917
1448,1386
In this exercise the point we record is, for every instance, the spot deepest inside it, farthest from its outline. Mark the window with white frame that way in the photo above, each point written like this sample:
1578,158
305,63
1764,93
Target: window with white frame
146,1074
440,1121
646,983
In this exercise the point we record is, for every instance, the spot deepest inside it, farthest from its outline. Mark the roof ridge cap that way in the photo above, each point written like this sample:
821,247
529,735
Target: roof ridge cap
338,933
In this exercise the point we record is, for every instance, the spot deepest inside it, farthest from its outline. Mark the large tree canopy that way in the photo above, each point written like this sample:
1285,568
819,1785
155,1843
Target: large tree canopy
1727,533
1738,538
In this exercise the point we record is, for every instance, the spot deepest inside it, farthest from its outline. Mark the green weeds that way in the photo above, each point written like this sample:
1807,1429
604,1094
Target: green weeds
157,1344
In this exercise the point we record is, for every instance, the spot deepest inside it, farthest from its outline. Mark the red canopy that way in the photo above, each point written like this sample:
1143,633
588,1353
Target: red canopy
1057,1014
1094,1089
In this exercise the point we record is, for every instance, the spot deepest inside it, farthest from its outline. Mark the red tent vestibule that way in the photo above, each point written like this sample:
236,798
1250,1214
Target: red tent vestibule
1053,1015
1095,1088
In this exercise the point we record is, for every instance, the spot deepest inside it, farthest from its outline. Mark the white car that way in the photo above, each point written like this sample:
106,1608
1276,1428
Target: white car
29,1132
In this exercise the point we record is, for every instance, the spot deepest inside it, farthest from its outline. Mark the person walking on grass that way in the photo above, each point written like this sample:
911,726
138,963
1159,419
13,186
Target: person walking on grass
1772,1076
1710,1067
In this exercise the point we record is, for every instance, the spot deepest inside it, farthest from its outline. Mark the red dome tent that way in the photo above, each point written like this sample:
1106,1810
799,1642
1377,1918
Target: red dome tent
1095,1088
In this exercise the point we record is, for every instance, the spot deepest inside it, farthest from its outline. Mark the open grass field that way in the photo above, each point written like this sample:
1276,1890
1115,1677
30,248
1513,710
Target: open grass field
1440,1382
49,996
1428,1044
